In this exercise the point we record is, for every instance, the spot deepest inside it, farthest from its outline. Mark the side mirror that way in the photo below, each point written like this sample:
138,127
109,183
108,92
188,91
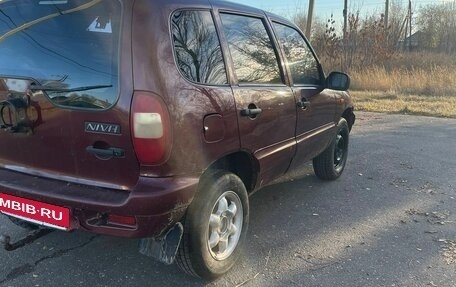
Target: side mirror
338,81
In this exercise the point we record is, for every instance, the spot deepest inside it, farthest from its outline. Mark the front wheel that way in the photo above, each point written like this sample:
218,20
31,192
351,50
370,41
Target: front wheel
330,164
215,226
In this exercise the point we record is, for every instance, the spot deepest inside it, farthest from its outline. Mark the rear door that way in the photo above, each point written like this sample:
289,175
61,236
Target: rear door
62,115
315,105
265,105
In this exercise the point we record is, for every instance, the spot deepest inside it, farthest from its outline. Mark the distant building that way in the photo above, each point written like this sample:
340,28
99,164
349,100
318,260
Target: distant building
411,43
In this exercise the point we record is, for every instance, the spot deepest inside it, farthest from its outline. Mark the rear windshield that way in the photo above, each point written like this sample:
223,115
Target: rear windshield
67,49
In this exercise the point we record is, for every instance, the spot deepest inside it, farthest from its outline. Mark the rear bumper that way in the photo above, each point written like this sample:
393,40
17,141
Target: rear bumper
156,203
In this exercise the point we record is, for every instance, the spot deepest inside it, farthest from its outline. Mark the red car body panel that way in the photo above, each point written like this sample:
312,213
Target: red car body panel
52,164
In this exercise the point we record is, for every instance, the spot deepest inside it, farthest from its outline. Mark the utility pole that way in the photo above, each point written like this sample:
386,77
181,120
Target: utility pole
386,14
309,19
410,25
402,30
407,20
408,29
345,18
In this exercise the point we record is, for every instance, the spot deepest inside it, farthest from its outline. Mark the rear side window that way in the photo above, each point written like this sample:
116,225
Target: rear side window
197,47
253,55
69,48
300,59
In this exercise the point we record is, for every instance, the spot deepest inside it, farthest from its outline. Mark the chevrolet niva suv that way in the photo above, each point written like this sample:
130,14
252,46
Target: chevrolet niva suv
157,119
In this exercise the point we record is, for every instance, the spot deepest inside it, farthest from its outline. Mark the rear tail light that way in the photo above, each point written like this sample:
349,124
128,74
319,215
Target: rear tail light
150,128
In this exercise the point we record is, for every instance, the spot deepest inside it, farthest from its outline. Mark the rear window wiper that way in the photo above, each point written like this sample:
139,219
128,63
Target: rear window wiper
62,90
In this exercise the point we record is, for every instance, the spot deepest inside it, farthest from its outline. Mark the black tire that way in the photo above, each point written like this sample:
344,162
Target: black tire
330,164
195,255
23,224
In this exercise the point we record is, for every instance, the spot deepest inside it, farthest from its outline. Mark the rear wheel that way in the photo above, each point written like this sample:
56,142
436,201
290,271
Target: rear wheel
215,226
330,164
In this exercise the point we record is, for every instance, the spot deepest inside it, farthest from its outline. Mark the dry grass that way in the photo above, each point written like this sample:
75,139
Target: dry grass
422,84
433,81
436,106
450,252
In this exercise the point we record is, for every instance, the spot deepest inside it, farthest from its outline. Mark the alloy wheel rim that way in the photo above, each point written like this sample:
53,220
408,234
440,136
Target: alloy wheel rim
339,151
225,225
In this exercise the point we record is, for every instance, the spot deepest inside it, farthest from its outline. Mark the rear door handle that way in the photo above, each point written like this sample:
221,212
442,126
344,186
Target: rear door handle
303,104
106,153
250,112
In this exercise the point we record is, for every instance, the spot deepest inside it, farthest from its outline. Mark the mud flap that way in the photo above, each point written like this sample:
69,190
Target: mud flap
163,249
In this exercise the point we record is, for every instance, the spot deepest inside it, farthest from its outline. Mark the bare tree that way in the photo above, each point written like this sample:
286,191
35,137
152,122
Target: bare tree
437,26
367,41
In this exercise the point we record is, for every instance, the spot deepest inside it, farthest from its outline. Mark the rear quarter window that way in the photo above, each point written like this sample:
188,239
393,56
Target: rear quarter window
197,47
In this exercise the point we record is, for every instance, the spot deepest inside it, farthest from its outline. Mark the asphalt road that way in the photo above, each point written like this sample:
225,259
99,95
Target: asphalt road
390,220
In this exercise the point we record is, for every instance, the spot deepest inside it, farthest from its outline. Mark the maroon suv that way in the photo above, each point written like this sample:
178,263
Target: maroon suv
157,119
